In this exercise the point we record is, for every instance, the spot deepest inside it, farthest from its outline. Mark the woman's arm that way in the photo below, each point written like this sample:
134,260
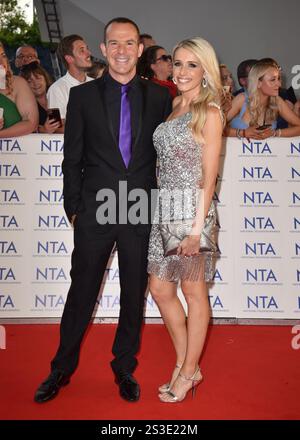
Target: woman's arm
249,132
27,106
291,118
212,133
211,150
297,108
236,106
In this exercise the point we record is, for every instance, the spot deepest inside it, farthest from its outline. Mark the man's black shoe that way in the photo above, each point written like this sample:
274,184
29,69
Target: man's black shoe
51,386
129,388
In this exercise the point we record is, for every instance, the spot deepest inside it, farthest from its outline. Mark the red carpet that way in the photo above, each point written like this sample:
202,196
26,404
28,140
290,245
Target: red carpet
249,373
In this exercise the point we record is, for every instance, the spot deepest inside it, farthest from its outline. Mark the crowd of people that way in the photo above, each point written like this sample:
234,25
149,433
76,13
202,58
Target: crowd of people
252,111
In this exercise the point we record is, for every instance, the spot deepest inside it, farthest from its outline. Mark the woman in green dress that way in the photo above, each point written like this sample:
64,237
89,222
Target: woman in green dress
19,114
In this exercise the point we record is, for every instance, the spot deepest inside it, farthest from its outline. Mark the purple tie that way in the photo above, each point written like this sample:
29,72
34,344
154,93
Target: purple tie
125,126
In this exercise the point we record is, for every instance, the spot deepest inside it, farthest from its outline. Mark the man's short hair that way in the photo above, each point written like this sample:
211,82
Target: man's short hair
65,47
19,60
146,36
120,20
244,66
26,45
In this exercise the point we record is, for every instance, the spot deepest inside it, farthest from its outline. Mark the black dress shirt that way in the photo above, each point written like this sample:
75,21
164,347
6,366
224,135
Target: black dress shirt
112,96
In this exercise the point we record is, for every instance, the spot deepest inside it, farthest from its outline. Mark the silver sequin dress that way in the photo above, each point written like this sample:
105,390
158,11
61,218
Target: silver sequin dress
179,159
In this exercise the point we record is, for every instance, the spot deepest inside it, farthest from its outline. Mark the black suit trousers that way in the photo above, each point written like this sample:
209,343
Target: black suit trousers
89,261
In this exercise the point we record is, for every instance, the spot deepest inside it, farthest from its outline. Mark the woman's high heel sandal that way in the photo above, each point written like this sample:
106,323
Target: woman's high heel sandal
195,379
166,387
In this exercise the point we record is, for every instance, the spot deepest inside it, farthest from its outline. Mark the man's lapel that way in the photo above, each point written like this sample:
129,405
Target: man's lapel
115,147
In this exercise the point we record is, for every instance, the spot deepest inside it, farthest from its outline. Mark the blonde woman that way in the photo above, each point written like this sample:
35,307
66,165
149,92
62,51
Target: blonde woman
228,88
19,114
254,115
226,79
188,146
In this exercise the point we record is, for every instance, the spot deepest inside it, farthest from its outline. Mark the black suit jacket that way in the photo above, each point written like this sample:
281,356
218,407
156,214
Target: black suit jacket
92,159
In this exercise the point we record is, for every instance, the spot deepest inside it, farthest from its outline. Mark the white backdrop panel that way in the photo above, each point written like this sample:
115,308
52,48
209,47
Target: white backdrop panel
258,199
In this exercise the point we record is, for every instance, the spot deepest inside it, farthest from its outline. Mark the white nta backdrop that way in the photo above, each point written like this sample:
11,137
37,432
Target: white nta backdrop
258,202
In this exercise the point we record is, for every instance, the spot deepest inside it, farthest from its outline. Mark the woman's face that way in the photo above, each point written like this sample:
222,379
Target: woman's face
37,83
187,71
270,83
3,58
226,77
162,68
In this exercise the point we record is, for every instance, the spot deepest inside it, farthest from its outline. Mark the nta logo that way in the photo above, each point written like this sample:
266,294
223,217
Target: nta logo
261,302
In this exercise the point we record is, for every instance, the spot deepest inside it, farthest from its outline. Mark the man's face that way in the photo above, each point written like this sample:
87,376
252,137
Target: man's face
122,50
25,55
81,58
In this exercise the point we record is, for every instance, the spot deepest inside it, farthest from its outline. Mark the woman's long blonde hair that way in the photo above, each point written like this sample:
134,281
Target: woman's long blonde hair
9,74
256,110
208,95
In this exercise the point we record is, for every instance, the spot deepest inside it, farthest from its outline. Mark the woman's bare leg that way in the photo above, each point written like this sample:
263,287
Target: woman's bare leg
196,296
165,295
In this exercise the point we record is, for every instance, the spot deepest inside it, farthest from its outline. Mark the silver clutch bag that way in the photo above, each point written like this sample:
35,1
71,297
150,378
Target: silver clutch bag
173,233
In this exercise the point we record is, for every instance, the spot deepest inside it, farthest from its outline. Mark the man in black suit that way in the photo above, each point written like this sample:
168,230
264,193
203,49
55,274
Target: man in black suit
94,159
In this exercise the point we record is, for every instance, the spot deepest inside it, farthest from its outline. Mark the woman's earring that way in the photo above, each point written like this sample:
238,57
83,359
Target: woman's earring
174,80
204,82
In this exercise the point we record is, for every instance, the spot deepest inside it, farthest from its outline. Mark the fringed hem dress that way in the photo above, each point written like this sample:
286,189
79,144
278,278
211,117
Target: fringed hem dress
180,169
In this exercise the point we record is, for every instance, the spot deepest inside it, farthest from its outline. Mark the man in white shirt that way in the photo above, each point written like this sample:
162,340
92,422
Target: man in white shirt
76,57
